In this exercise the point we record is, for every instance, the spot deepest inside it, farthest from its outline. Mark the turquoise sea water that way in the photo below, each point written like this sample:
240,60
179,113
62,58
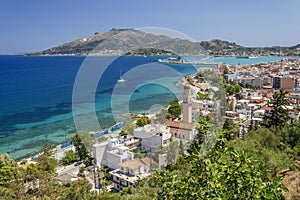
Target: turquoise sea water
36,95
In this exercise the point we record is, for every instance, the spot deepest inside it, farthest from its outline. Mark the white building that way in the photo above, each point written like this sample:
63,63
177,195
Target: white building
153,136
130,172
111,153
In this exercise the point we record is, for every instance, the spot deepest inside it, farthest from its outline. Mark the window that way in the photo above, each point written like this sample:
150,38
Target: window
117,178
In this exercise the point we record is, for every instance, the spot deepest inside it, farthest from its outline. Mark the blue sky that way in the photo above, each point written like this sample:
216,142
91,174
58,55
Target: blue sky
34,25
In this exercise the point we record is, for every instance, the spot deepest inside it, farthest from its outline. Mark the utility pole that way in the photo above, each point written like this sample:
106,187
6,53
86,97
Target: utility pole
98,180
95,182
150,161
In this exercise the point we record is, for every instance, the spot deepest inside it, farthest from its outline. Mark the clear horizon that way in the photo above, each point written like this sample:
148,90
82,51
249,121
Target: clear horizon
33,25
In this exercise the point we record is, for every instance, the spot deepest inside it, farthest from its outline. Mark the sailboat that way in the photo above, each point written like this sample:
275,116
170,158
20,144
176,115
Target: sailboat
121,80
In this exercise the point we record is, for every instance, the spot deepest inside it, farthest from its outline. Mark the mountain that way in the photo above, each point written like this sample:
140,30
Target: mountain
125,42
220,47
136,42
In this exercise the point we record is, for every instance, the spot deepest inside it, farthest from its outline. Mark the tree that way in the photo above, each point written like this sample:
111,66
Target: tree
247,85
202,96
174,108
32,175
202,126
138,153
222,174
79,189
69,158
290,138
231,128
45,161
279,114
6,160
172,152
266,147
129,128
161,117
237,89
232,89
142,121
83,143
181,148
12,178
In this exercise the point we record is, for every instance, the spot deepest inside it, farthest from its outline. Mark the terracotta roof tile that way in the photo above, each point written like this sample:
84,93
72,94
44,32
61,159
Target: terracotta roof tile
181,125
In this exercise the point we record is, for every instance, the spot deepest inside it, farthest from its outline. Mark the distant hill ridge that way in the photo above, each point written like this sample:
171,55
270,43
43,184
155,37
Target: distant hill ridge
136,42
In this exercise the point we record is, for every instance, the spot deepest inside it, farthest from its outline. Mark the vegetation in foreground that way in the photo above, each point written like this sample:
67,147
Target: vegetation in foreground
235,169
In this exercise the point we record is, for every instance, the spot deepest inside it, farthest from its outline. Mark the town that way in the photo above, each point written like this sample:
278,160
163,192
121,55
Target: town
127,153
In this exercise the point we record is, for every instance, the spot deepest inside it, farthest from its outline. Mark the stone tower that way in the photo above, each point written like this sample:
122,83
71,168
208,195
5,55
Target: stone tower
187,105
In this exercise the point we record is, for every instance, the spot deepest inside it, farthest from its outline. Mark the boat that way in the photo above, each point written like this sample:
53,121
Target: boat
121,80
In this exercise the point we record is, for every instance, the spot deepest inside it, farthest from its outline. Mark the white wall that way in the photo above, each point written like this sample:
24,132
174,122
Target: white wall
98,152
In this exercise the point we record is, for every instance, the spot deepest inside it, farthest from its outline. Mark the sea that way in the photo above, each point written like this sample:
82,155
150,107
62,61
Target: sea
49,98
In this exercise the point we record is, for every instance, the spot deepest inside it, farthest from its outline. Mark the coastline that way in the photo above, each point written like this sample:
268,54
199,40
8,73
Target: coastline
180,82
131,116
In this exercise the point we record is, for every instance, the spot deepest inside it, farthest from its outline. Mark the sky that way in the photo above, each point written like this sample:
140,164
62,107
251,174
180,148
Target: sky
34,25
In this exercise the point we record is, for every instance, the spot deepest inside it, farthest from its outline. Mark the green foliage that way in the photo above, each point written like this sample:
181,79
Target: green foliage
247,85
129,128
181,148
45,161
142,121
23,161
7,193
236,169
202,126
279,116
138,153
83,143
174,108
79,189
222,174
172,152
290,139
6,160
154,165
81,170
264,146
232,89
70,157
161,117
159,150
107,175
12,178
231,128
202,96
